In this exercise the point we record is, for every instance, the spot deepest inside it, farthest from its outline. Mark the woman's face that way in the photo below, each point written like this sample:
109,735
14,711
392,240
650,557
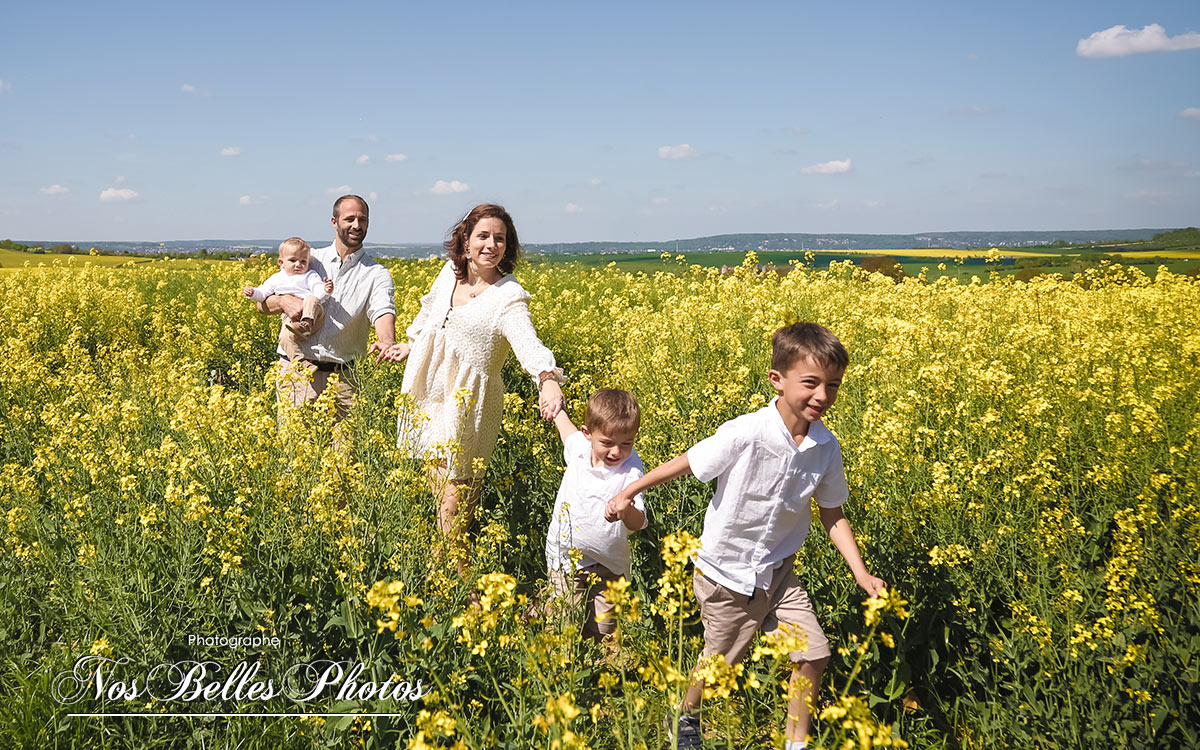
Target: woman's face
486,244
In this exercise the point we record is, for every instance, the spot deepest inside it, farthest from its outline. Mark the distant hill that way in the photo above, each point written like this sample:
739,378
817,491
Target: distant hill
758,242
726,242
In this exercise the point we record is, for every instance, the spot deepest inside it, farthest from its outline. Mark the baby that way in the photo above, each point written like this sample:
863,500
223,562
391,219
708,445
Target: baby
298,280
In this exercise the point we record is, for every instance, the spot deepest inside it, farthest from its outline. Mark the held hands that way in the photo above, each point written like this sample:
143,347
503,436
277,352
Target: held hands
614,510
329,286
550,401
389,352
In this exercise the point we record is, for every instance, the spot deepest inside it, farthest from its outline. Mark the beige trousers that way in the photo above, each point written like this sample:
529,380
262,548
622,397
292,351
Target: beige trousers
293,332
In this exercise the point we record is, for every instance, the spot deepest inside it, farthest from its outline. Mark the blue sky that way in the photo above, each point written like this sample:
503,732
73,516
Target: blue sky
614,121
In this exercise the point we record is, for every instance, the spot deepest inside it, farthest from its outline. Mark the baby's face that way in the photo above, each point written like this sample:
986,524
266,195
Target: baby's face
294,261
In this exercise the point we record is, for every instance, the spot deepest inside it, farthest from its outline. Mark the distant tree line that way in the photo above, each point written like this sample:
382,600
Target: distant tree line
65,249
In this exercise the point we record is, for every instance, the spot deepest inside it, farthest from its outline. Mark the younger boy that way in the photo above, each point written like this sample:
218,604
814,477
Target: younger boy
295,278
769,465
586,547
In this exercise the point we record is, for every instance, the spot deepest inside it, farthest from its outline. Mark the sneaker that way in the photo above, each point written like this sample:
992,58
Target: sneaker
687,732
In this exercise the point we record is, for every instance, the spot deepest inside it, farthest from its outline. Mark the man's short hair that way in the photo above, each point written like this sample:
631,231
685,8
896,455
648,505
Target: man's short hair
613,411
350,197
293,243
800,341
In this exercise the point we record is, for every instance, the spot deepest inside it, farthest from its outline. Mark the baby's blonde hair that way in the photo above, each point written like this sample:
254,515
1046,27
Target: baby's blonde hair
293,243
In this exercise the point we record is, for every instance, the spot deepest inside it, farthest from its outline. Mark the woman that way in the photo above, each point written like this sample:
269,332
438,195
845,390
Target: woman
473,314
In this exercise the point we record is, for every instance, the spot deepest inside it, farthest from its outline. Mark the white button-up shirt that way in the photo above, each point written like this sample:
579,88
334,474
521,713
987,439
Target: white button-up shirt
578,518
761,511
362,291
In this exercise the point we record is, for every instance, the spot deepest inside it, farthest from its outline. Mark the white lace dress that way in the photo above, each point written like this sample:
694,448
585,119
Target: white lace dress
453,371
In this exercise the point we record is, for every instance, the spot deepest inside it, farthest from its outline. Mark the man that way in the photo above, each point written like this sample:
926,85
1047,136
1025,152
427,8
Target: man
362,296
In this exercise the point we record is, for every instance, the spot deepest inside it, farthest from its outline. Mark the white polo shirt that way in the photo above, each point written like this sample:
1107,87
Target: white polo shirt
578,518
761,511
362,291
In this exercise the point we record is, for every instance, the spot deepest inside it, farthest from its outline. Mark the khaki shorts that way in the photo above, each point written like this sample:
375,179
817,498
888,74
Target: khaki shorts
583,591
731,619
299,390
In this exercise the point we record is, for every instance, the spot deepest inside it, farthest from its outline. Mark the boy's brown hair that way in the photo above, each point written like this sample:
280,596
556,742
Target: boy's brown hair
613,411
800,341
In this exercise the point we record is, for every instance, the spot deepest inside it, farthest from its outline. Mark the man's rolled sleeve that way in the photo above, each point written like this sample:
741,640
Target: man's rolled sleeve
381,302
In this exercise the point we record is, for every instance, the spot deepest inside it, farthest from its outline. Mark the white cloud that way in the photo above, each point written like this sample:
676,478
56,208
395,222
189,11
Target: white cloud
339,190
828,205
829,167
187,88
574,209
5,86
1119,41
874,204
54,189
395,157
120,179
118,194
371,139
682,151
660,201
372,196
1191,113
231,151
362,159
441,187
247,200
596,181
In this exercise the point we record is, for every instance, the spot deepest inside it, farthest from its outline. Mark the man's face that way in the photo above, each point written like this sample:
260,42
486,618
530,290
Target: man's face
351,224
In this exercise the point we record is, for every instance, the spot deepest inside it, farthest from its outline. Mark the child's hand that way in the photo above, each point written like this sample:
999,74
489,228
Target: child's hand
615,508
248,292
872,585
389,353
329,286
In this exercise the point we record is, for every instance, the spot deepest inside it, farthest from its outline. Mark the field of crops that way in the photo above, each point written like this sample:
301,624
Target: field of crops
1023,462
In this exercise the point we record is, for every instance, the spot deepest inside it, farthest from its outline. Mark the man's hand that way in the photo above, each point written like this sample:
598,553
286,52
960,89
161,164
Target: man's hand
288,305
390,352
329,286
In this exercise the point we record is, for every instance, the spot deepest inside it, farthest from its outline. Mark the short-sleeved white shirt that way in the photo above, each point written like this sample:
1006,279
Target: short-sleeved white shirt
362,292
762,511
578,518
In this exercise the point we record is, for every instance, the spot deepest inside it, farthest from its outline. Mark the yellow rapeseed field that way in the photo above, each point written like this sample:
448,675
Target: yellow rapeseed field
1023,467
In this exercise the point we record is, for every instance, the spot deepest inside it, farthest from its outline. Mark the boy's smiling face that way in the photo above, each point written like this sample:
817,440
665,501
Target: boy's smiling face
609,448
806,391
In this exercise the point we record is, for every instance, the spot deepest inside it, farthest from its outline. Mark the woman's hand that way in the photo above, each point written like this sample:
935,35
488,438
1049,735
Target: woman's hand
550,400
390,353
